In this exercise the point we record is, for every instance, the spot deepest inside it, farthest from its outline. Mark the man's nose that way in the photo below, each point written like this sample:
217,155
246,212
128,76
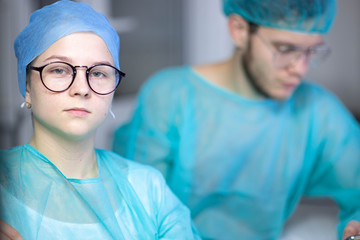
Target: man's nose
301,64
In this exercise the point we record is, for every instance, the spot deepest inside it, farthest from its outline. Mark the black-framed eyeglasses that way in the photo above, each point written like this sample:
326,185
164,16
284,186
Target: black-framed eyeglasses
285,55
58,76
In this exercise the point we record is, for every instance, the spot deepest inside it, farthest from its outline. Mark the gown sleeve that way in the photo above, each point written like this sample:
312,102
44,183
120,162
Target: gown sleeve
173,217
335,150
151,137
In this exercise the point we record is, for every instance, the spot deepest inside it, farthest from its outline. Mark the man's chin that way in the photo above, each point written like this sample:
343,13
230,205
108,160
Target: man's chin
283,96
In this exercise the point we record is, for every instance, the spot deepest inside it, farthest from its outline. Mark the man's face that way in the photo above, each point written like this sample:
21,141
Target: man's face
268,67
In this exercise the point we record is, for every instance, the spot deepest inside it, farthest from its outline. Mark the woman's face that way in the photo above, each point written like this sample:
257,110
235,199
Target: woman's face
77,112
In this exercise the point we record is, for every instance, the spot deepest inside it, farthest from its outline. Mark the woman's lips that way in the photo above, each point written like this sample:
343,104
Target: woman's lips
78,112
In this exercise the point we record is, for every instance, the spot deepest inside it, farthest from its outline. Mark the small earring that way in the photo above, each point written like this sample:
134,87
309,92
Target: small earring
28,105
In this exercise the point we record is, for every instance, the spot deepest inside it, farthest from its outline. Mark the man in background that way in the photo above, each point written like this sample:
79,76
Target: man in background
242,141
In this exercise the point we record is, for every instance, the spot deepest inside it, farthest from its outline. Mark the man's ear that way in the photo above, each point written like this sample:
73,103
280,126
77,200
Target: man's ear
239,30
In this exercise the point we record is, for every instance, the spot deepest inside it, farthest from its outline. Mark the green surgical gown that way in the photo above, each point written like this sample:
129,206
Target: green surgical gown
243,165
126,201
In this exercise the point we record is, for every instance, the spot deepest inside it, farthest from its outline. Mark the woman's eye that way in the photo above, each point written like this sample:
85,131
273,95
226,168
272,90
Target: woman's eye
59,71
97,74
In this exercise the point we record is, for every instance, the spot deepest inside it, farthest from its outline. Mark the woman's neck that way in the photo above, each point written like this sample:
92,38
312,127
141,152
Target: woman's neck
74,158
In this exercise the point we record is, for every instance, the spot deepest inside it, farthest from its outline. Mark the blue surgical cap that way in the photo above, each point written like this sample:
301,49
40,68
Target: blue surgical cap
305,16
55,21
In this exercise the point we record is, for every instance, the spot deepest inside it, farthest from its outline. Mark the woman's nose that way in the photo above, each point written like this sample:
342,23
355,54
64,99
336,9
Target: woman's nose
80,85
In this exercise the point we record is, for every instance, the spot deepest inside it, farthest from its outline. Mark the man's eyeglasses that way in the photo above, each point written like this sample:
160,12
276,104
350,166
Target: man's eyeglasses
102,79
285,55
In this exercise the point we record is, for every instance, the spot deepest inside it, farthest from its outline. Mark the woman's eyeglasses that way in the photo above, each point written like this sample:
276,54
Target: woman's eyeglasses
102,79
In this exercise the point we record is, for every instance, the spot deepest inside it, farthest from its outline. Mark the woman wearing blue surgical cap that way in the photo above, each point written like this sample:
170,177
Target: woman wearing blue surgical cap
58,186
243,140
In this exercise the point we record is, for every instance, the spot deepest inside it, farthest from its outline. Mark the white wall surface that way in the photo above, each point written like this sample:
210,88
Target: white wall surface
206,37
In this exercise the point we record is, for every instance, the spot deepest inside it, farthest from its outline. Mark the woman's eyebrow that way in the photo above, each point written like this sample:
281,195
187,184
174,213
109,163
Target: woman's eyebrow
62,58
69,60
103,62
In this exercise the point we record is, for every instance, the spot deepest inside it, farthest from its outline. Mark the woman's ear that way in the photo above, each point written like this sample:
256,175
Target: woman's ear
239,30
27,92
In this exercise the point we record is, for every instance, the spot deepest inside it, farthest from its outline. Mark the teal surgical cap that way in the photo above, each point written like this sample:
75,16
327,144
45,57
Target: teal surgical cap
305,16
55,21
